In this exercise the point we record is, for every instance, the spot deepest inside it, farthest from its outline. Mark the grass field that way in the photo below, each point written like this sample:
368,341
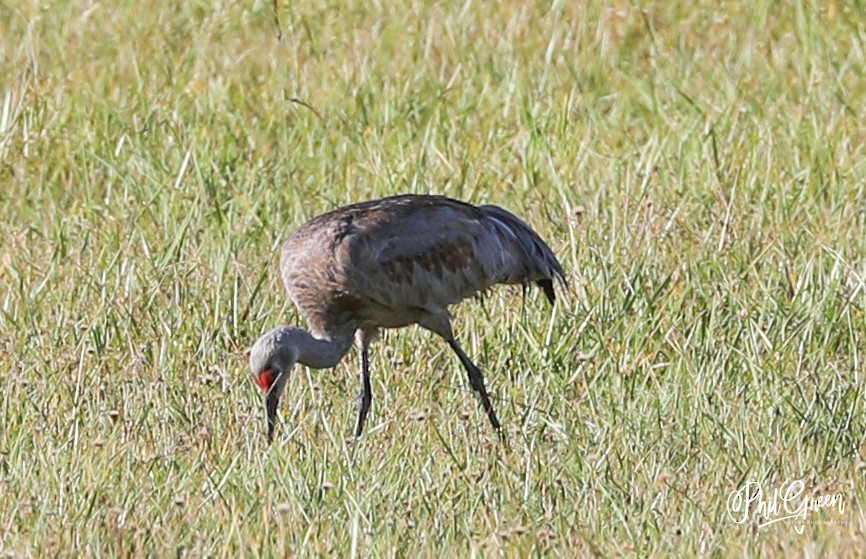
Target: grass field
699,169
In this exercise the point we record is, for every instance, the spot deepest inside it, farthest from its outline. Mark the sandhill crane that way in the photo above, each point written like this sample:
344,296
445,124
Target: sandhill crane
389,263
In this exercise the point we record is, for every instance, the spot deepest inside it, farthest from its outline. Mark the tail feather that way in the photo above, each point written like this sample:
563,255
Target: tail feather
538,263
546,285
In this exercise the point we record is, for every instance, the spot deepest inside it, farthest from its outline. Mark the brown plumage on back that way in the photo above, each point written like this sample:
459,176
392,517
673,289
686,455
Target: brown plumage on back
390,263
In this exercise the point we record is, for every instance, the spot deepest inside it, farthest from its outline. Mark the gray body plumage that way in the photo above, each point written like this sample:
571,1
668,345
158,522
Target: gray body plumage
395,261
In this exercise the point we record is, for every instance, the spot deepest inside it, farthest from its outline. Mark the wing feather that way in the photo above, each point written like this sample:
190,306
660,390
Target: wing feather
424,259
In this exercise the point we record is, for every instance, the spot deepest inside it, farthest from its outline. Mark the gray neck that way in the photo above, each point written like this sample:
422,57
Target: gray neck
321,353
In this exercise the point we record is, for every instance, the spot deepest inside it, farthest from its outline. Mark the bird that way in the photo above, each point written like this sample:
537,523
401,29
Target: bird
389,263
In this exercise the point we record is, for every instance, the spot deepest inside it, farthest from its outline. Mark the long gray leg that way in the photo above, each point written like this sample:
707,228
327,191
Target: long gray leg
476,380
441,324
366,396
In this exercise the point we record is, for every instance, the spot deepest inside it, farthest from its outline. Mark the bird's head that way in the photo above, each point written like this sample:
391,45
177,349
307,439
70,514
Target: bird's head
271,360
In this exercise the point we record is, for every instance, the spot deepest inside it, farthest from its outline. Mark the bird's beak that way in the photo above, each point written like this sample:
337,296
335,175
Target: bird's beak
272,401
